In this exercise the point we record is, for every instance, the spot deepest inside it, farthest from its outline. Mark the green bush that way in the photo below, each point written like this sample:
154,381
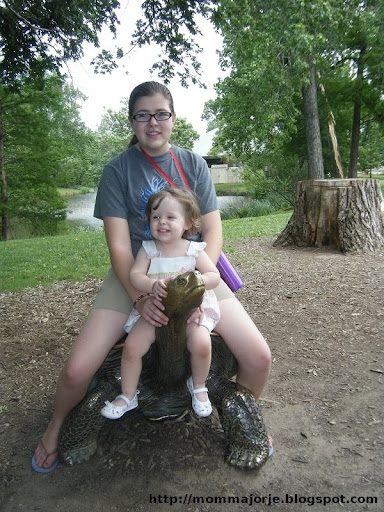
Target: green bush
255,208
36,211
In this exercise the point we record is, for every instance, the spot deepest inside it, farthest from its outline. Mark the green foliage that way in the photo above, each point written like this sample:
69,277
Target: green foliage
257,182
72,140
277,180
372,147
173,27
116,123
270,204
41,206
36,37
267,47
183,134
112,137
43,143
231,189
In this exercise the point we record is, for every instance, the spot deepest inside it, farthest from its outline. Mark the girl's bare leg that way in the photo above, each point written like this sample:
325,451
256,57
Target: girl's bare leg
136,345
199,346
100,332
247,345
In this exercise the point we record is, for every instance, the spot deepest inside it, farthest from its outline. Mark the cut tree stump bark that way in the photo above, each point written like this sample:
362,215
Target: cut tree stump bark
343,214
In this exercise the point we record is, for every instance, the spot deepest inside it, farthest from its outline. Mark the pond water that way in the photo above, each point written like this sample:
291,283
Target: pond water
80,209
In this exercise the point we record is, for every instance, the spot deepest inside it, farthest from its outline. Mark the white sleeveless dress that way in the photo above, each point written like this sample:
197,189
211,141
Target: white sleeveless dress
162,268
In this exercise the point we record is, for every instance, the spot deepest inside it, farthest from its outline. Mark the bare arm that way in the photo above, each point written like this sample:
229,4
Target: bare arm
120,251
138,273
142,281
212,234
208,270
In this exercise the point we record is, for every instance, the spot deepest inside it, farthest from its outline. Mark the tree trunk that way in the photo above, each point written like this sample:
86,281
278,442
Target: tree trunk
312,128
355,136
342,214
337,164
5,226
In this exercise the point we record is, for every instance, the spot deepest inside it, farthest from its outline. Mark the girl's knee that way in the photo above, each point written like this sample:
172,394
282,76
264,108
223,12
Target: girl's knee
135,348
202,349
76,375
261,359
200,345
266,358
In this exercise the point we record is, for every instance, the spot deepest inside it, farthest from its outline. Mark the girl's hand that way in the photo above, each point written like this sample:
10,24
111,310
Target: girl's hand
159,288
198,313
151,309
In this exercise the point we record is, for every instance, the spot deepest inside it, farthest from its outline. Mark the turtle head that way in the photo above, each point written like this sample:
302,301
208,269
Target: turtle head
184,293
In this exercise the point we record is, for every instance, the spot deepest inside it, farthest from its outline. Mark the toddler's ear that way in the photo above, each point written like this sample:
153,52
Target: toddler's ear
187,225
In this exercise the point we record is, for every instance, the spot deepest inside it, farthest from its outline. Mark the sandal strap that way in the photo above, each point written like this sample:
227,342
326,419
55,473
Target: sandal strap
46,454
200,390
124,398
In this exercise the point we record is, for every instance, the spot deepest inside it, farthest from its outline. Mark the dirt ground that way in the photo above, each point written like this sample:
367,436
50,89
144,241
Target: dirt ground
323,317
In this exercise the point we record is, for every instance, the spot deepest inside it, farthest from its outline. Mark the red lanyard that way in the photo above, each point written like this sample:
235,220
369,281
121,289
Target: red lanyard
162,173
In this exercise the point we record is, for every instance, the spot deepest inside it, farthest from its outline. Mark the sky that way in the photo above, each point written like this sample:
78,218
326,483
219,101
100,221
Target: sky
106,91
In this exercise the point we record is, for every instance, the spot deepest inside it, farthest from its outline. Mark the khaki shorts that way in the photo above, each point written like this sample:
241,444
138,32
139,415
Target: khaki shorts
112,295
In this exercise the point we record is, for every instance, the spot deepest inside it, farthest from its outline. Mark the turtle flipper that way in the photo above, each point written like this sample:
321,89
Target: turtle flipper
247,440
80,431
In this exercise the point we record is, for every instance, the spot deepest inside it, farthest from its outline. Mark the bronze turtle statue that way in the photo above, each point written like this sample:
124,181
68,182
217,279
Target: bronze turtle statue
163,390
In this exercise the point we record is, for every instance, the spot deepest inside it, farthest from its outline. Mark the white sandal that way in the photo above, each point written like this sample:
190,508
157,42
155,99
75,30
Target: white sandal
202,409
114,412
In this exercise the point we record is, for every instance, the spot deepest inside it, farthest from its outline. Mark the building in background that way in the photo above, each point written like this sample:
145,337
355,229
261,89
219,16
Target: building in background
221,170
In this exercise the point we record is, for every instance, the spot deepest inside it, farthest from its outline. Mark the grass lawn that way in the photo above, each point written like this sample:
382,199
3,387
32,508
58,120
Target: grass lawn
75,257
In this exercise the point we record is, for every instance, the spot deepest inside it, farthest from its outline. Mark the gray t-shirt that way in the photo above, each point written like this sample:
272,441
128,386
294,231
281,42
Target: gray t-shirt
129,179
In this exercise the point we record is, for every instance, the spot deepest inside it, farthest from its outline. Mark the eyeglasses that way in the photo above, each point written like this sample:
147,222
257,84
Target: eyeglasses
144,117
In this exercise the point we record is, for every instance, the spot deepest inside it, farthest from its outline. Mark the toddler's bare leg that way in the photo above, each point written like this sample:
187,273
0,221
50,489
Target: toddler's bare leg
199,346
136,345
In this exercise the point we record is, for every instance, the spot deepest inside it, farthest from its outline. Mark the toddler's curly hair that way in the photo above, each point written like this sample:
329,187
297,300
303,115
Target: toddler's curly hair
188,201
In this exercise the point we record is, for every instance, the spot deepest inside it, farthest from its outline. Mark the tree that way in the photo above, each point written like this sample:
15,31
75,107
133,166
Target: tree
113,134
70,139
172,26
371,154
344,214
40,133
276,52
36,37
363,57
183,134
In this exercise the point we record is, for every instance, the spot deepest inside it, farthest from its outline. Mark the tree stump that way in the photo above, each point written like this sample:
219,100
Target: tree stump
344,214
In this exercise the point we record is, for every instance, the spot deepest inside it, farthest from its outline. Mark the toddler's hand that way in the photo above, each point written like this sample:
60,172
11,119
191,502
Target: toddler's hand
201,313
197,313
159,288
